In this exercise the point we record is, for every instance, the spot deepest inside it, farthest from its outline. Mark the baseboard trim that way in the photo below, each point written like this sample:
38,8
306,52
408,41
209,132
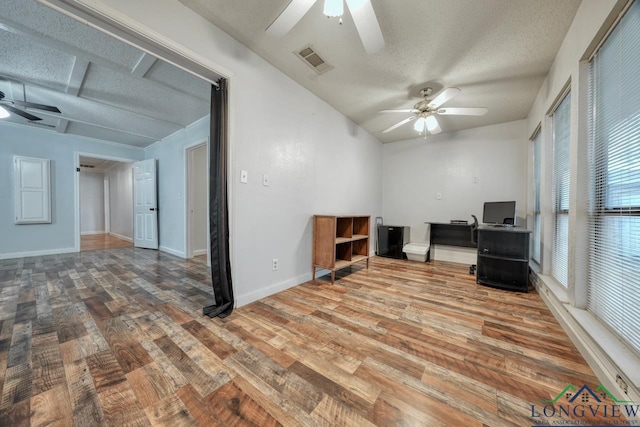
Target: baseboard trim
571,320
250,297
89,233
200,252
120,236
38,253
172,252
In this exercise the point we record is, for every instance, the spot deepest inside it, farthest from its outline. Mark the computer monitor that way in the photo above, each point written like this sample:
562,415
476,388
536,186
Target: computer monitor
499,213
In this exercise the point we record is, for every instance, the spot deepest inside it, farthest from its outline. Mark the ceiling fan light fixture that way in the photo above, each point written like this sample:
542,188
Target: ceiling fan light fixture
432,123
3,113
419,125
333,8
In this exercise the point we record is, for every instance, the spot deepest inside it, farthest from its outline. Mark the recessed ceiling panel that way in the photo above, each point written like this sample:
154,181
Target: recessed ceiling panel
180,80
27,61
43,21
142,96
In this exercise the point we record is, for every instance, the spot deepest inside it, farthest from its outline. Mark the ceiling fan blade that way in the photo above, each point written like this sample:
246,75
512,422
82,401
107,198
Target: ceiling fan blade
364,18
289,17
24,114
37,106
397,125
444,96
433,126
463,111
411,110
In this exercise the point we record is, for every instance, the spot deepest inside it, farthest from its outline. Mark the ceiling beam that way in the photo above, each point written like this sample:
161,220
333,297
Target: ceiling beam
63,124
77,75
17,91
144,65
74,85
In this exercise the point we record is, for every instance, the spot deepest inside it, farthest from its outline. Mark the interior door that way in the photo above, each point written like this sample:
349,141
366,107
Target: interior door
145,205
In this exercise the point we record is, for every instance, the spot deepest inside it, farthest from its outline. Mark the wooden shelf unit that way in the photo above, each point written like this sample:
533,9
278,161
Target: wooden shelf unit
339,241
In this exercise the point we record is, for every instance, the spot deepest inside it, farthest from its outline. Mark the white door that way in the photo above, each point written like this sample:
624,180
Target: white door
145,205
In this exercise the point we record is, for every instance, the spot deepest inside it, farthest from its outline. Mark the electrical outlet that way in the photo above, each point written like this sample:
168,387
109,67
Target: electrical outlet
265,180
274,264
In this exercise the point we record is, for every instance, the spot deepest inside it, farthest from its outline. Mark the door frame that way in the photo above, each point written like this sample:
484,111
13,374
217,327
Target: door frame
76,187
122,27
187,198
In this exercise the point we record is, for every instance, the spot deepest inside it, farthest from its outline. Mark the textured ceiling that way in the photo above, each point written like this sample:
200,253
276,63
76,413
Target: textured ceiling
497,51
104,88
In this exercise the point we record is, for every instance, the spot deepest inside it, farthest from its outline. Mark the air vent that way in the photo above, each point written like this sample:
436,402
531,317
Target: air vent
87,166
313,60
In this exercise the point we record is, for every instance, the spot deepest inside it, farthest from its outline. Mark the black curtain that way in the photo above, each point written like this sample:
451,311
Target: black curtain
218,210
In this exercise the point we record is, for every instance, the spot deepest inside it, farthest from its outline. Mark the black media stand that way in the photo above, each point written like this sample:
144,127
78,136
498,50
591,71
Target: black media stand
503,257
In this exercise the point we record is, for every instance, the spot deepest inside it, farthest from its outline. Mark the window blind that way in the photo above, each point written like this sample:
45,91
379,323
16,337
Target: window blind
537,220
561,120
614,214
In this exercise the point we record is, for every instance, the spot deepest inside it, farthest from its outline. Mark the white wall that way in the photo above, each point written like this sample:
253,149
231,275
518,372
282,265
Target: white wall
416,170
121,200
57,237
91,202
318,160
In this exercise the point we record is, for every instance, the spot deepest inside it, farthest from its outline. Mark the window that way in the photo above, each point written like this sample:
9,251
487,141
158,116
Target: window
561,118
614,212
537,217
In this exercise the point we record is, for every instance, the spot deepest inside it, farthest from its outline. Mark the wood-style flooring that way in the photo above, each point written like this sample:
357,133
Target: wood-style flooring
116,337
92,242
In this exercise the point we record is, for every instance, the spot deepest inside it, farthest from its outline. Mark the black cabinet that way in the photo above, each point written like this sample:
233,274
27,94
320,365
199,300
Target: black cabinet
391,240
503,257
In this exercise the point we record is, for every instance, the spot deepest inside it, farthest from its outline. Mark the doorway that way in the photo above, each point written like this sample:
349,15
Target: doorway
104,202
197,204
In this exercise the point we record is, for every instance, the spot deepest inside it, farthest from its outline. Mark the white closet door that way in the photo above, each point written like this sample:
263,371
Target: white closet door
32,190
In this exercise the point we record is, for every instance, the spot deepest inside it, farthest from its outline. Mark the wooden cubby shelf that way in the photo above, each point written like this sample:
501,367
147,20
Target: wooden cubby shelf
339,241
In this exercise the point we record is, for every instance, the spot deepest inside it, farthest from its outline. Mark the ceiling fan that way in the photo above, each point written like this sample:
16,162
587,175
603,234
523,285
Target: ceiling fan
425,111
362,13
8,106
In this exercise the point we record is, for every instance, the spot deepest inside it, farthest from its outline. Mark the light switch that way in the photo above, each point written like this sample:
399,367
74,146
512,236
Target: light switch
244,177
265,180
439,196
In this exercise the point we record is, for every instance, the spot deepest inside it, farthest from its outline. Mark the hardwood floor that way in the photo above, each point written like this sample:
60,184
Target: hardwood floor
116,337
91,242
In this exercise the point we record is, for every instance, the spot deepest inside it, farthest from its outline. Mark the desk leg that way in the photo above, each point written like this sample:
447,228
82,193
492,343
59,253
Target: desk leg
333,276
313,273
367,263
